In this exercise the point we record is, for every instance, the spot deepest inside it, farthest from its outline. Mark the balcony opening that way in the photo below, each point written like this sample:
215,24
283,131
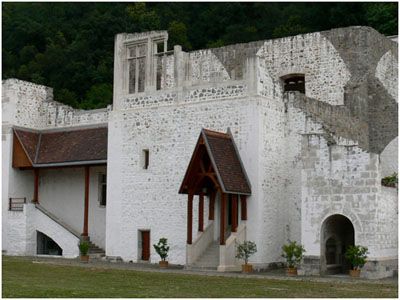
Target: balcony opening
294,82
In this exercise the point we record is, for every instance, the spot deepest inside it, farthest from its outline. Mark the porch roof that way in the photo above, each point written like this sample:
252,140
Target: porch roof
225,160
72,146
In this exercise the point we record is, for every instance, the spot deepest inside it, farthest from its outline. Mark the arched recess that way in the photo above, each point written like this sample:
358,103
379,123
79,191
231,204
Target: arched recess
337,234
46,245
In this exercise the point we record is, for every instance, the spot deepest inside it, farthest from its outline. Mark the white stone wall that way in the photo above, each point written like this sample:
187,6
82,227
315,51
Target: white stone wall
61,192
312,55
387,72
149,199
31,105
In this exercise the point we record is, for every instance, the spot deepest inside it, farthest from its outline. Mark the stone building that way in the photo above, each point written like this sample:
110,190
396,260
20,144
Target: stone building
269,141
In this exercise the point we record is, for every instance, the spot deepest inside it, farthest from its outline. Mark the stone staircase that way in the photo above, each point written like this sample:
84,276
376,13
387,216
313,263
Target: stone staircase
209,260
95,252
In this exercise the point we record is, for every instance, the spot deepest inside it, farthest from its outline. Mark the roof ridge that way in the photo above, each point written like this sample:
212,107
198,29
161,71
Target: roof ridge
38,147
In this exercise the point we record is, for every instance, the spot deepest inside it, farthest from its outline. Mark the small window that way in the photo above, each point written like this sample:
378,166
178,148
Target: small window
146,157
160,47
294,82
102,189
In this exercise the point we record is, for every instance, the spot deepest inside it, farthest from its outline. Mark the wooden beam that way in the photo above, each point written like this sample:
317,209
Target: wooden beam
35,186
85,232
189,218
201,212
222,220
211,206
234,208
243,207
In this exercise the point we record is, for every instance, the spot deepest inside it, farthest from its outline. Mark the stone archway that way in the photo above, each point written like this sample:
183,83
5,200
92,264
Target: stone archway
337,233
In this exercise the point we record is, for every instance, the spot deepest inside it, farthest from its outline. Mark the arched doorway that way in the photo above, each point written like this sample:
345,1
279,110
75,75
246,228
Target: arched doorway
337,233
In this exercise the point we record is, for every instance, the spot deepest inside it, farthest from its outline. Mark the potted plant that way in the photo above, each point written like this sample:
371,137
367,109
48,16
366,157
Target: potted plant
244,251
293,253
162,249
84,249
357,256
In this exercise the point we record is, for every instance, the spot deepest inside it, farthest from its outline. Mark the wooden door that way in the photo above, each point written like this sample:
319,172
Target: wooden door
145,245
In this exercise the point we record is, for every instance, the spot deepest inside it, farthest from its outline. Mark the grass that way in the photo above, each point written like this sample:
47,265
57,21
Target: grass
22,278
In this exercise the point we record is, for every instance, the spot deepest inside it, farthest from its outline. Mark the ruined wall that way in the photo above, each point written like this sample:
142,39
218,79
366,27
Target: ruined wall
31,105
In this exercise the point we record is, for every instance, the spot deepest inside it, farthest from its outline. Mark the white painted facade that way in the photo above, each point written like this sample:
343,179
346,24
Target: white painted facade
300,173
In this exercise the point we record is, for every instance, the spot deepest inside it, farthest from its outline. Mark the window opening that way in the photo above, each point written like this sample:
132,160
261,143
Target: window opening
294,82
146,158
46,245
102,189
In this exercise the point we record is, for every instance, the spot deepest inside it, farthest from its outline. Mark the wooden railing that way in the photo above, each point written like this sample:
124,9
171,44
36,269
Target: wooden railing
16,204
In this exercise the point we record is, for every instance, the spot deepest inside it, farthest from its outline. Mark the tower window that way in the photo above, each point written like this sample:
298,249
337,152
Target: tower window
294,82
137,67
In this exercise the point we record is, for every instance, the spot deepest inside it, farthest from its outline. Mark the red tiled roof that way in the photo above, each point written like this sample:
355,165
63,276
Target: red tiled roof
225,160
66,146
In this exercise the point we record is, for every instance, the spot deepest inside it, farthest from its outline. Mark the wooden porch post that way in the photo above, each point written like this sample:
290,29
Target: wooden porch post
243,207
222,220
86,206
189,218
211,206
35,186
234,212
201,211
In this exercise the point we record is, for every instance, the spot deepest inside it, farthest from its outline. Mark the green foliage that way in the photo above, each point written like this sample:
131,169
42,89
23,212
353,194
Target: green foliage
69,46
177,32
83,247
357,256
390,181
293,253
162,248
245,250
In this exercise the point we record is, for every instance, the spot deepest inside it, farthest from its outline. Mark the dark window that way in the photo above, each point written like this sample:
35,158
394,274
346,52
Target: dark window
146,157
46,245
294,82
103,189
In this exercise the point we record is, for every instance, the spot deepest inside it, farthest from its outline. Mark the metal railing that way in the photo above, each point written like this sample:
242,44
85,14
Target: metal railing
16,204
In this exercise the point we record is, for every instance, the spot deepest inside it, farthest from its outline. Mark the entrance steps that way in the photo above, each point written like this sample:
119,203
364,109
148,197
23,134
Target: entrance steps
95,252
209,260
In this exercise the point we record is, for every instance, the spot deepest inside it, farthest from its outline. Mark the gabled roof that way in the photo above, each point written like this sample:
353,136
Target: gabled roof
225,161
64,147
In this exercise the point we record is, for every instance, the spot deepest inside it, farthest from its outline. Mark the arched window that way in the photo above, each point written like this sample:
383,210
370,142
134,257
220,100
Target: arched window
294,82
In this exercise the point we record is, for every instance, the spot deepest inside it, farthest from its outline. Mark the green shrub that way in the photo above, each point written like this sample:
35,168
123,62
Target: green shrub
245,250
83,247
293,253
357,256
390,181
162,248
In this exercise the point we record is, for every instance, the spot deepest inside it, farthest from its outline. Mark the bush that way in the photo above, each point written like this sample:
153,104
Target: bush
357,256
390,181
162,248
83,247
293,253
245,250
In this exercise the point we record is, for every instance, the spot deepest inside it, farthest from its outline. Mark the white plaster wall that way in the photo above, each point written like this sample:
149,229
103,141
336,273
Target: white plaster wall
22,233
61,192
149,199
389,158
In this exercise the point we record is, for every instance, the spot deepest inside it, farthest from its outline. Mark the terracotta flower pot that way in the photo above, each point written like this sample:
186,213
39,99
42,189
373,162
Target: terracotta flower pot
246,268
291,271
163,264
355,273
85,258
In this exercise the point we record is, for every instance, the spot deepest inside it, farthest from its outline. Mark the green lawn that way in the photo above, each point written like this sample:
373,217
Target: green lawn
22,278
